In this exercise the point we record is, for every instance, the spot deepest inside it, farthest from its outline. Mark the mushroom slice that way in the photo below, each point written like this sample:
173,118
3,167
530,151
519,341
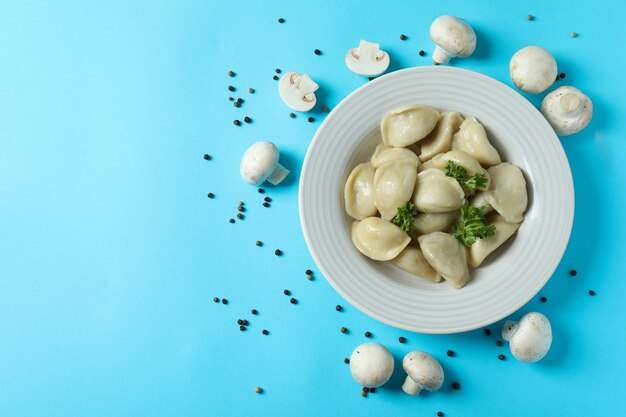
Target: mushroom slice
507,194
483,247
440,139
384,153
472,139
567,110
453,37
461,158
435,192
378,239
367,59
297,91
425,223
394,182
447,256
359,192
412,260
406,125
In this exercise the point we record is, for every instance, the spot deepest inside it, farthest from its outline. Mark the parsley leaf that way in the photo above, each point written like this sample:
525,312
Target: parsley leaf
472,225
404,218
459,173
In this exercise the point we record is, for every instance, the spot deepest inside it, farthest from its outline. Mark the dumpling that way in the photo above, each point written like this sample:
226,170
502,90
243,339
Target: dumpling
507,194
358,192
480,200
447,256
483,247
412,260
472,139
384,153
437,193
427,165
463,159
440,139
434,222
394,182
378,239
407,125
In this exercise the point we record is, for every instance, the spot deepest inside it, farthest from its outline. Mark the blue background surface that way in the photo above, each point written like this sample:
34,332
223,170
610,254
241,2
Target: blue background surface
111,253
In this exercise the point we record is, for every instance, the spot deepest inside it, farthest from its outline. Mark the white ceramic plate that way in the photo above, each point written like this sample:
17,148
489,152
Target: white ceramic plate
508,278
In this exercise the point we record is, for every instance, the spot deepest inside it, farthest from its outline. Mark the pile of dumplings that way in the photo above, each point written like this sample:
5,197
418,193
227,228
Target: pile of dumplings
418,142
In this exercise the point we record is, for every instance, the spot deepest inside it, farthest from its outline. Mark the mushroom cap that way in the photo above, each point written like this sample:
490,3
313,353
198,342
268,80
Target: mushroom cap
531,338
425,370
367,59
258,162
567,109
297,91
371,365
453,35
533,69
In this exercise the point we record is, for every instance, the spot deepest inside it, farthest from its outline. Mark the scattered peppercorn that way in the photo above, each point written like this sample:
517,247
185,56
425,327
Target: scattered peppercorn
422,53
499,343
231,220
292,115
253,311
309,277
487,332
281,20
261,190
224,301
231,74
251,90
372,390
240,203
265,332
311,119
366,389
278,252
240,216
439,414
206,156
501,357
450,353
245,322
240,100
592,293
317,52
267,199
287,292
344,330
231,99
240,322
278,71
237,104
231,88
368,334
242,328
236,122
456,385
210,195
530,17
573,272
258,390
247,119
543,299
562,75
216,300
346,360
308,272
241,208
259,243
266,204
325,109
371,78
275,77
403,37
363,394
338,307
402,339
574,34
293,300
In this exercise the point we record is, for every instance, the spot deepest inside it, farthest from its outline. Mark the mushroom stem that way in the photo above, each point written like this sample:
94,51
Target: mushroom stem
279,174
441,56
411,387
509,329
570,104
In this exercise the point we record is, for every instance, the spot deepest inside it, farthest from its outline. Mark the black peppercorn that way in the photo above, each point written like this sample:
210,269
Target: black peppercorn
231,74
501,357
317,52
261,190
562,75
309,277
216,300
292,115
530,17
308,272
258,390
240,100
224,301
325,109
275,77
368,334
231,220
210,195
543,299
259,243
487,332
240,216
371,78
592,293
231,99
346,360
266,204
363,394
338,307
456,385
499,343
251,90
287,292
402,37
278,71
402,339
311,119
242,328
245,322
206,156
281,20
237,104
573,272
240,322
450,353
293,300
372,390
265,332
422,53
278,252
439,414
253,311
344,330
231,88
365,389
247,119
241,208
236,122
267,199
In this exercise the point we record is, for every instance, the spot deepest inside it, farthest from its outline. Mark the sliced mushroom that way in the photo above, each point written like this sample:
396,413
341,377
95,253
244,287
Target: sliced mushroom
297,91
367,59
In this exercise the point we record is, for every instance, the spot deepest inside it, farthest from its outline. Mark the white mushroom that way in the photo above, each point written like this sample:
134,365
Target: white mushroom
530,339
453,37
367,59
423,372
567,109
260,163
297,91
371,365
533,69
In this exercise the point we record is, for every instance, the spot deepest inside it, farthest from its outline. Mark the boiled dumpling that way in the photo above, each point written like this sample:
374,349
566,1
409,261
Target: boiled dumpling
378,239
507,194
480,200
437,193
412,260
358,192
384,153
427,165
440,139
407,125
447,256
434,222
394,182
483,247
463,159
472,139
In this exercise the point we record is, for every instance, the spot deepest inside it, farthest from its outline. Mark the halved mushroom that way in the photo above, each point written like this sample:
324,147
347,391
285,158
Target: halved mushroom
297,91
367,59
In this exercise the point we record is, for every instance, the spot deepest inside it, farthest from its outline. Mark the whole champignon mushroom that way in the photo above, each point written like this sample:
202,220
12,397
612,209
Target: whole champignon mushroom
533,69
260,163
567,109
453,37
298,91
367,59
371,365
530,338
423,372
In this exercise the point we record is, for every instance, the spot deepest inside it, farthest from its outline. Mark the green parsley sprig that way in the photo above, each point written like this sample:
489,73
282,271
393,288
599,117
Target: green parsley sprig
404,218
472,225
459,173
